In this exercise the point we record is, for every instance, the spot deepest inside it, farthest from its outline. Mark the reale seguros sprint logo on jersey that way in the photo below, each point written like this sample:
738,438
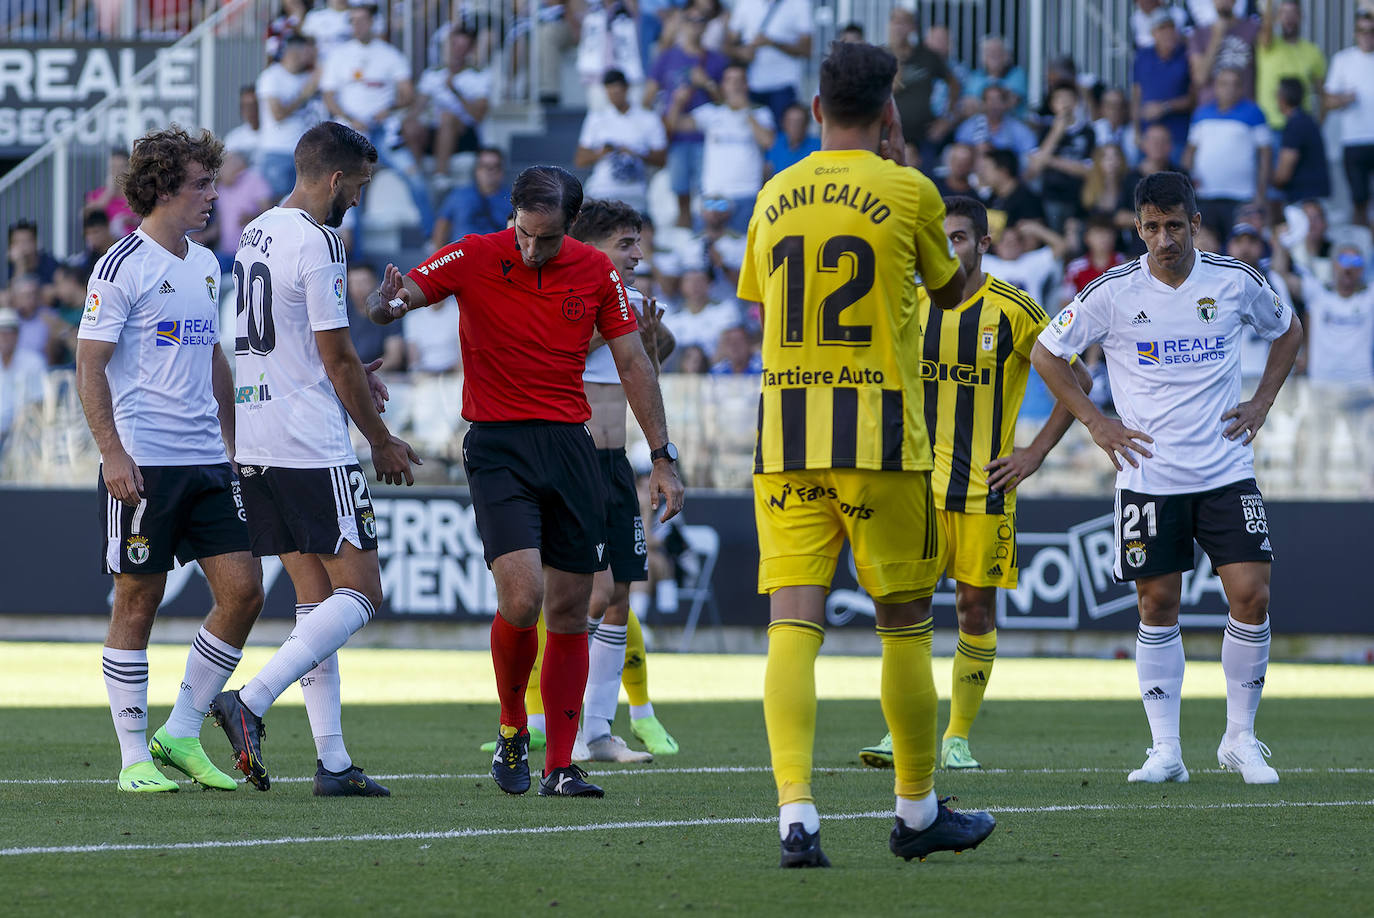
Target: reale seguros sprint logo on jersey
1174,351
185,333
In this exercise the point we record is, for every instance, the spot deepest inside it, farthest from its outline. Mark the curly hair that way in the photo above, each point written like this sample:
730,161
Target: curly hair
600,219
158,165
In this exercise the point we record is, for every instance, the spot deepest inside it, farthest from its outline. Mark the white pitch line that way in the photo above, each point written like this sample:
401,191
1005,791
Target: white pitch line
647,824
650,772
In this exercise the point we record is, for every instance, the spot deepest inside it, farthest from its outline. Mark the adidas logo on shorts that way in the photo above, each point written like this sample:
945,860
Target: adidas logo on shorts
995,570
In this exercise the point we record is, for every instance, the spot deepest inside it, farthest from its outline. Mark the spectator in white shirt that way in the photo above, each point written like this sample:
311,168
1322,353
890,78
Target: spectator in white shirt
288,106
699,321
244,138
773,37
329,25
718,248
21,374
1350,94
451,104
621,142
737,136
366,84
431,337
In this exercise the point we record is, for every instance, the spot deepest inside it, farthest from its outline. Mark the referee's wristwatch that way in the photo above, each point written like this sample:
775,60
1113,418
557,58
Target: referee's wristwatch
666,451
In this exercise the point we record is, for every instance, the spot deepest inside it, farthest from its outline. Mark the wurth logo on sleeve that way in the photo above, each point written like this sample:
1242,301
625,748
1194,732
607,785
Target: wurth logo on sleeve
620,293
438,263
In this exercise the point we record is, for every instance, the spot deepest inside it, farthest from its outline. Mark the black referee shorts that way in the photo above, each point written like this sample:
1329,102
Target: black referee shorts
537,484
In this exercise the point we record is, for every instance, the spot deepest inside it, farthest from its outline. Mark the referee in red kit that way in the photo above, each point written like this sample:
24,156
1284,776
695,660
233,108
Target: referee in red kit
529,300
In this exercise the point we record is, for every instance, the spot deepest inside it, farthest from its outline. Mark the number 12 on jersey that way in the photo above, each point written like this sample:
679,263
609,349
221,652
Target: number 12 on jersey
833,256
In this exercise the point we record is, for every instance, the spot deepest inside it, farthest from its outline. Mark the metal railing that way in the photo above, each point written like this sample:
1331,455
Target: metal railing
193,81
1316,445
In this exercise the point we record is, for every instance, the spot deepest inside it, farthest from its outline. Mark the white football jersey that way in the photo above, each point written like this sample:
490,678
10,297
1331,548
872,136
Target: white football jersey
160,312
1173,357
290,282
600,362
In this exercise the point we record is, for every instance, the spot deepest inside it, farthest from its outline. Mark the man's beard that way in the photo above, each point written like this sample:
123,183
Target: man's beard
337,208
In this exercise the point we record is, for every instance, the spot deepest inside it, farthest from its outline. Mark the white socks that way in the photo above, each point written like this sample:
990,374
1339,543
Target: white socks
918,814
640,711
126,685
804,813
208,666
1244,660
315,638
605,662
1159,668
320,687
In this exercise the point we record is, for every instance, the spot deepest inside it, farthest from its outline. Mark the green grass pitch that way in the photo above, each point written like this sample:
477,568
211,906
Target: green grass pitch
694,832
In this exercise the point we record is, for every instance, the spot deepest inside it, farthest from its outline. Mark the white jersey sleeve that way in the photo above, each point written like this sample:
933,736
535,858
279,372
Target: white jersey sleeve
1265,311
1085,321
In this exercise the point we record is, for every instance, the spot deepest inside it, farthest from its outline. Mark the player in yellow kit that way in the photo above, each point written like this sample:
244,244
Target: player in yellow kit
843,451
975,359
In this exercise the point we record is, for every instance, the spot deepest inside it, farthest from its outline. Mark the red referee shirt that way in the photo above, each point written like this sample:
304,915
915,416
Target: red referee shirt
524,331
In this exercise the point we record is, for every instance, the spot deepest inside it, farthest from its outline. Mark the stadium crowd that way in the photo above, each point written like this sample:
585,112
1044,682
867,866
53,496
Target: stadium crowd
692,104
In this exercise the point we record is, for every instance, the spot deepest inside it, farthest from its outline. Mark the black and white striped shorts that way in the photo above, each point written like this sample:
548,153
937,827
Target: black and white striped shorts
313,511
186,512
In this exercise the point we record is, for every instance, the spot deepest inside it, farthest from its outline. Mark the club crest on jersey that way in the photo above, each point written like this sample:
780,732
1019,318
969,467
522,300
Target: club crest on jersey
574,308
989,338
210,288
137,549
369,523
1135,553
92,308
1207,309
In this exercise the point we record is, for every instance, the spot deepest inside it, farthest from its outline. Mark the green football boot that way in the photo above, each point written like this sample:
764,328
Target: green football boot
879,756
954,754
144,778
186,756
652,734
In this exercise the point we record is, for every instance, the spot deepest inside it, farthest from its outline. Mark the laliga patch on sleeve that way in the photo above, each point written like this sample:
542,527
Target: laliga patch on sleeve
339,293
1062,321
92,310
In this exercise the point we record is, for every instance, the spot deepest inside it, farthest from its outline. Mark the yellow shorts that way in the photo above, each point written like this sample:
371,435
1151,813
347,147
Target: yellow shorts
804,516
980,548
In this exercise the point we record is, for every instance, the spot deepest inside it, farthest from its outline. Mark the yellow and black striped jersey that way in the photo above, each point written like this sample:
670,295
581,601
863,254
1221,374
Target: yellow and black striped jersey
974,362
834,245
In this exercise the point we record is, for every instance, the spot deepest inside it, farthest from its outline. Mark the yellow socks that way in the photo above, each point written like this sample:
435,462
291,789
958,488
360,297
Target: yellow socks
972,668
534,702
909,705
789,704
635,677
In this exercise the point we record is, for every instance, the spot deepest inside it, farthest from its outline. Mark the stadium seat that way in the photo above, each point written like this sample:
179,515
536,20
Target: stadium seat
703,546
